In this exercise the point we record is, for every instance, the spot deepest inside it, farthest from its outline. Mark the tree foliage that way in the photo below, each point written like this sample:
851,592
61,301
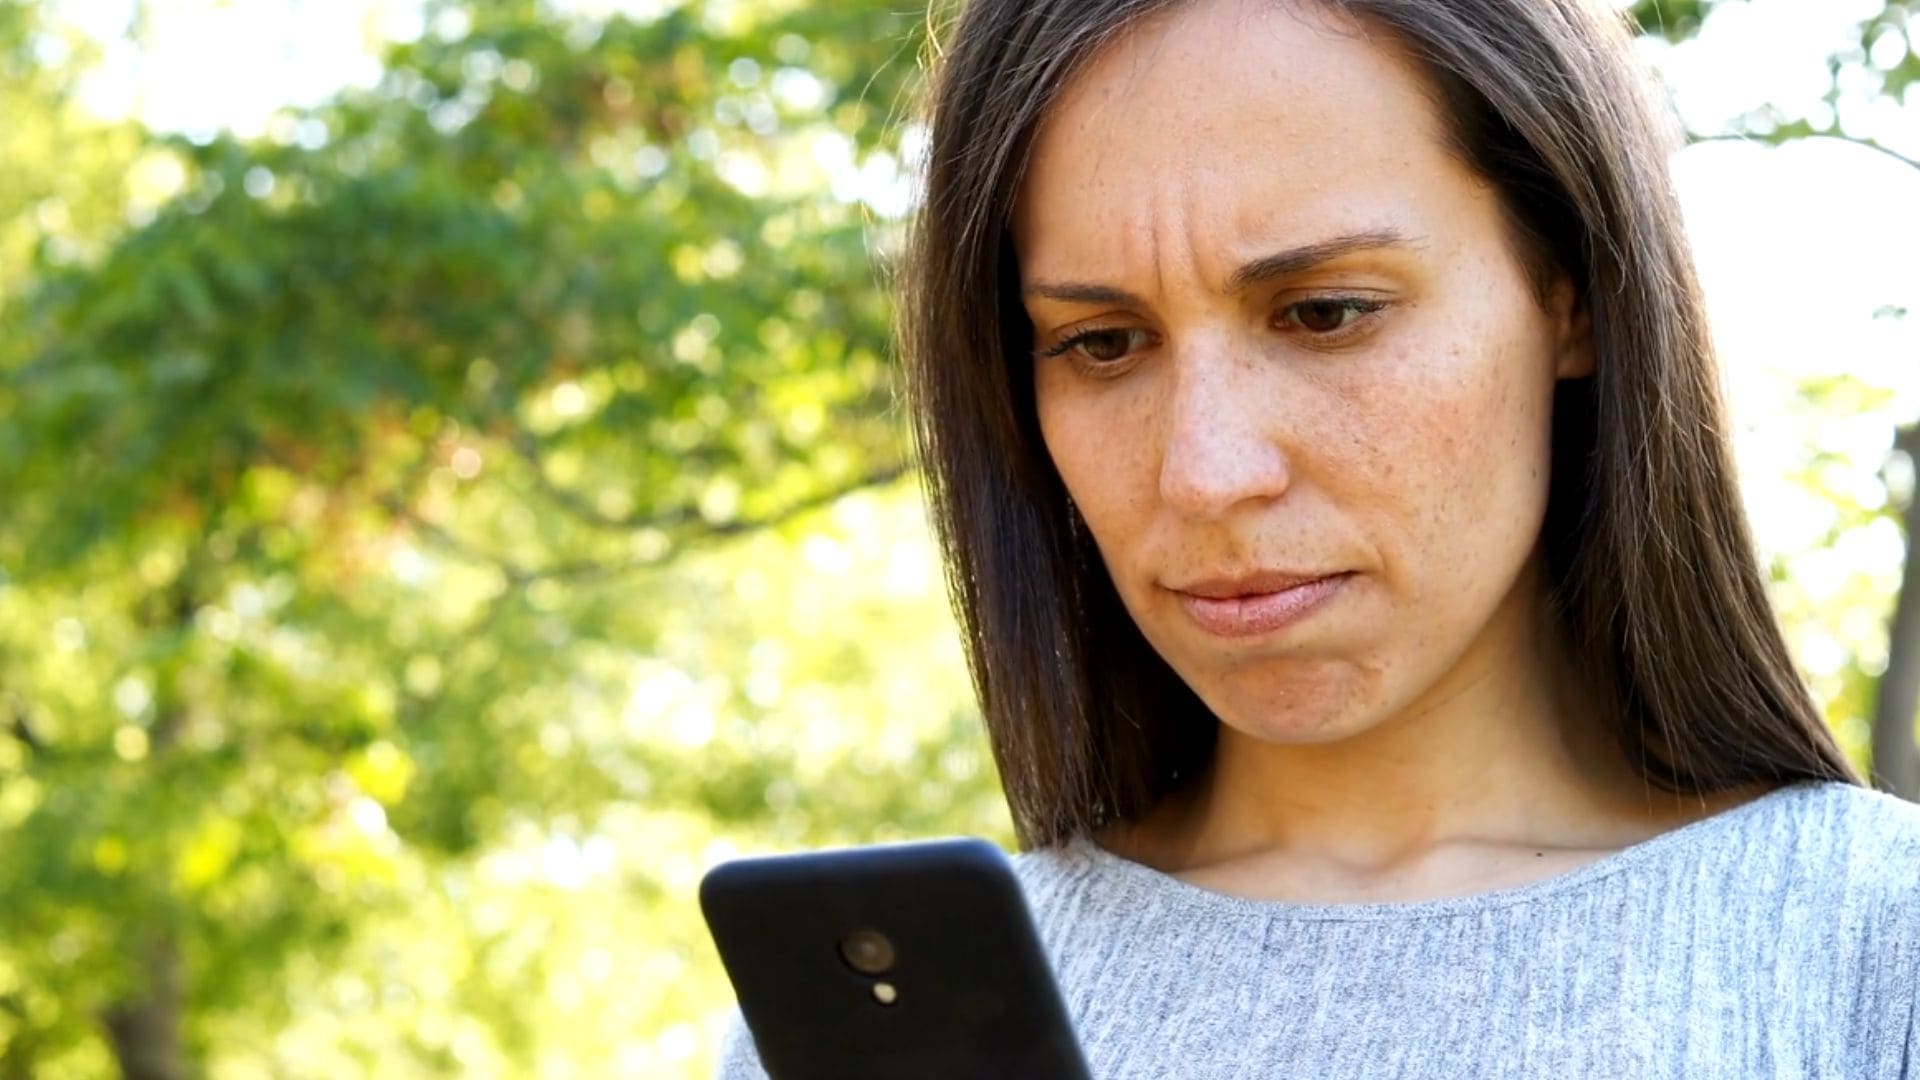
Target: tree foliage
355,497
1870,695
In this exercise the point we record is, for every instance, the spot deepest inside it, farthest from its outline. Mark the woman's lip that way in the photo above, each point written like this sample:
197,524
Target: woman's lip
1261,613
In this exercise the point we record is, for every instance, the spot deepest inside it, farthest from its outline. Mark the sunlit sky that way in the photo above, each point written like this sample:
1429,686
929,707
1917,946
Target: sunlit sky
1808,251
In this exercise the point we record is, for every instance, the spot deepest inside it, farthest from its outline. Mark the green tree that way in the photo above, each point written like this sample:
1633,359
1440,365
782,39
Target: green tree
346,494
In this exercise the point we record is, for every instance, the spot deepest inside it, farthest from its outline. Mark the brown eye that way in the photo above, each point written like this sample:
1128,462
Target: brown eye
1105,346
1099,347
1324,316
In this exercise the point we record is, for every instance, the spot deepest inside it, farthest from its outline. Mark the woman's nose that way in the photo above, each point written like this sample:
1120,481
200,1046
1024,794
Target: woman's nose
1222,444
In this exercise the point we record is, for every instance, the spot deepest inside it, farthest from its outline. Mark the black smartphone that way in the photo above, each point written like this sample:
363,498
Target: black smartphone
891,962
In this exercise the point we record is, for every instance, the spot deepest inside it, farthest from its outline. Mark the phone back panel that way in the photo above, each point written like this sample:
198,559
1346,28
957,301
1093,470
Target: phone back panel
975,996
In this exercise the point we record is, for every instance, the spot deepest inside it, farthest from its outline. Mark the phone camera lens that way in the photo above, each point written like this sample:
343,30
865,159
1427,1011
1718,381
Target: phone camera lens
868,952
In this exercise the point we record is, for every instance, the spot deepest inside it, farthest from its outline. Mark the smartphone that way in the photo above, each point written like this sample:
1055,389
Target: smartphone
910,961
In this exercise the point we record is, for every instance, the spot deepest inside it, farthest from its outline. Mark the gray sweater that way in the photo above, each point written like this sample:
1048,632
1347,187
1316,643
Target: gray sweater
1777,939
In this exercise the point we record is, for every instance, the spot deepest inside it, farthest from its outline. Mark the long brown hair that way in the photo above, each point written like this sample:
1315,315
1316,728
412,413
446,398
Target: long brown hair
1652,570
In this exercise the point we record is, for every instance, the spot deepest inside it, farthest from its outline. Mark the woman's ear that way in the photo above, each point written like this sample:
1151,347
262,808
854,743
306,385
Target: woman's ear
1573,324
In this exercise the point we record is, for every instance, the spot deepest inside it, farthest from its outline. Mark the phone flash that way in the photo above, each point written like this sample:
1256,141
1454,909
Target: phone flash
884,993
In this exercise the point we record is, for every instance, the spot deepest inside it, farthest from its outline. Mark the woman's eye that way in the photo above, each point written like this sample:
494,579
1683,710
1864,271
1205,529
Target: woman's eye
1101,346
1329,316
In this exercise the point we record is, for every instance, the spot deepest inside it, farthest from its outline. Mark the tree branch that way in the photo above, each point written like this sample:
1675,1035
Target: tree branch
572,502
518,575
1762,140
22,729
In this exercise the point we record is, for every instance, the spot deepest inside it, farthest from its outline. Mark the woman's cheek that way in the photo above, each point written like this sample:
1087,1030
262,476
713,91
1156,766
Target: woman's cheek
1442,448
1493,445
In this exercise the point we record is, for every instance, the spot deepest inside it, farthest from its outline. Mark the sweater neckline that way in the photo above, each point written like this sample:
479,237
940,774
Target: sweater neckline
1672,843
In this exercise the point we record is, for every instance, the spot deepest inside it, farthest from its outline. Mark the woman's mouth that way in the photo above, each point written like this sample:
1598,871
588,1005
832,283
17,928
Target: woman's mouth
1264,608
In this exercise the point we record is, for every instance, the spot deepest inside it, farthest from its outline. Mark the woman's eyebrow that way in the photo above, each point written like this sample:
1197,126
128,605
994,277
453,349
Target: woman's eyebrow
1263,269
1301,259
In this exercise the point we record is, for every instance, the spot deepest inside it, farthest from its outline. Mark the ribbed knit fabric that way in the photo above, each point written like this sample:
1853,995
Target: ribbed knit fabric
1777,939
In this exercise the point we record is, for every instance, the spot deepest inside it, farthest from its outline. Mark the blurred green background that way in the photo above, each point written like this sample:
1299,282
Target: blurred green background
440,520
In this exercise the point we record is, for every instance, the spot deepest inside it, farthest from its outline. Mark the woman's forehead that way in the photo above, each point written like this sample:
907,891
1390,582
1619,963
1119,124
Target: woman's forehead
1239,124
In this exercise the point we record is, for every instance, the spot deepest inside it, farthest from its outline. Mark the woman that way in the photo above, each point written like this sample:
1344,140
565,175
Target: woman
1322,431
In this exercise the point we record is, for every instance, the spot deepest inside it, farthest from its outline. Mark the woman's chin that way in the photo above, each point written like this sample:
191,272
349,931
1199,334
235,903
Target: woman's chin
1295,714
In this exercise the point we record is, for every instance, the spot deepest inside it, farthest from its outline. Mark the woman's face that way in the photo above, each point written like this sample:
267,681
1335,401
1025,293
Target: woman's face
1290,367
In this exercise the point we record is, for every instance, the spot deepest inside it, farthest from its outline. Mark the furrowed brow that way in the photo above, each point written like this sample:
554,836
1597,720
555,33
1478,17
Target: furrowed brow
1264,269
1301,259
1073,292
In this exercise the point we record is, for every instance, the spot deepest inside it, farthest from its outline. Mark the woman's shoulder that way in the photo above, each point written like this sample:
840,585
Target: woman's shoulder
1055,874
1858,853
1832,865
1849,836
1076,891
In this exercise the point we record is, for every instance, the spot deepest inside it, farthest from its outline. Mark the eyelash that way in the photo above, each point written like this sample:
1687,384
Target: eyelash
1365,310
